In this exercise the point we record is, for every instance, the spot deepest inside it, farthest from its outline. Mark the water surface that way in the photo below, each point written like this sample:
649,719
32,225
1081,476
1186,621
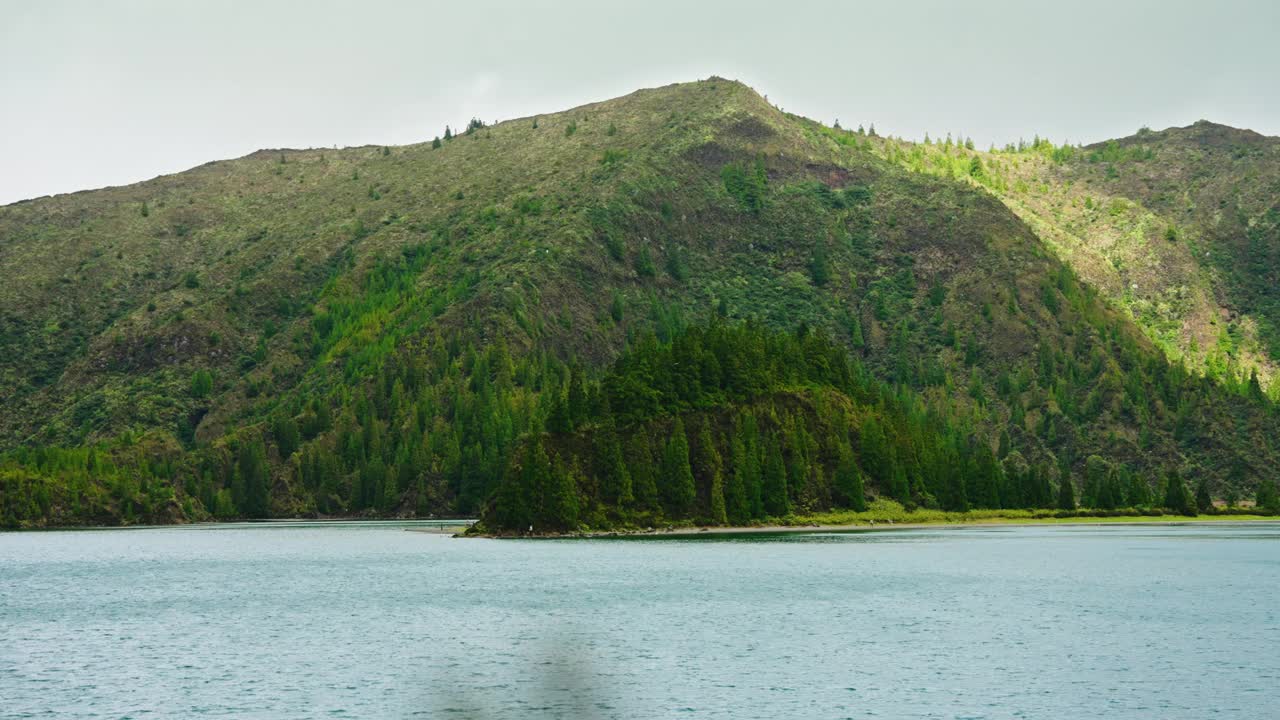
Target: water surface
371,621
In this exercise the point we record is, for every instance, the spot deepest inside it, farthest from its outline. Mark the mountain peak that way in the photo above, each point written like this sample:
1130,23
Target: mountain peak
1203,133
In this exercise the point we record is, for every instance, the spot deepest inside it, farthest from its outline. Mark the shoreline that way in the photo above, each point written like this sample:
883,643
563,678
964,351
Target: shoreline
878,526
458,527
426,525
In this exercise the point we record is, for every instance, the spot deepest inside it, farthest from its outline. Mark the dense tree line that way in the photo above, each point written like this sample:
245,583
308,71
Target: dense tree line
734,423
721,422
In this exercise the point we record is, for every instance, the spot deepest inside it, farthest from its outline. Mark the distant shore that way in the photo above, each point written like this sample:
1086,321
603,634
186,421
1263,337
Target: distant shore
801,526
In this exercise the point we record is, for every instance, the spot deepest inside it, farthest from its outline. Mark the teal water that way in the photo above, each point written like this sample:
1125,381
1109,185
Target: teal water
371,621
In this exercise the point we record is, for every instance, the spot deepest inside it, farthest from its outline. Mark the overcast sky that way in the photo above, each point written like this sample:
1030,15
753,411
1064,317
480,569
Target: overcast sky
107,92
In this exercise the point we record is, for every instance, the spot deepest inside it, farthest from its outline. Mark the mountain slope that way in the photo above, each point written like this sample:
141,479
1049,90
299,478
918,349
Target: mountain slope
375,329
1178,227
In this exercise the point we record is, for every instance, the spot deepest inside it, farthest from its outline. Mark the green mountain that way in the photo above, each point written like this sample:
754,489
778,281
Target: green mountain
1179,228
455,327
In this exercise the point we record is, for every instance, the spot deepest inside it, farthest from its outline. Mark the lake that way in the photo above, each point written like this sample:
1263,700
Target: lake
367,620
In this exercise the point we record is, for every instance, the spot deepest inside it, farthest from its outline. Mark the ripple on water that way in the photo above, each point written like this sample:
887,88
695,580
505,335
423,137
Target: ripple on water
371,621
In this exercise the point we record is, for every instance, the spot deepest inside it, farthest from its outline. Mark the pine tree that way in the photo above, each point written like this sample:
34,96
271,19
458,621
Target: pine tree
559,419
819,265
611,469
1111,496
708,469
774,481
719,514
1254,391
1268,497
876,457
253,470
848,481
1020,482
390,491
285,430
1095,471
641,467
954,494
1176,497
735,493
1138,493
678,490
749,436
577,397
515,505
856,340
560,502
987,478
1066,493
1204,503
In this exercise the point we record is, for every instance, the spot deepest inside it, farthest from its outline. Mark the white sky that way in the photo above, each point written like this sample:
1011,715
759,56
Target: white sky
112,92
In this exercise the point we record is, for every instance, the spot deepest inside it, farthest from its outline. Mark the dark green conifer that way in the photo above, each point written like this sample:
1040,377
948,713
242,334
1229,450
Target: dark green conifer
560,501
1176,497
1066,493
676,478
611,469
252,465
708,469
774,481
285,430
735,493
642,470
1267,497
1204,503
848,481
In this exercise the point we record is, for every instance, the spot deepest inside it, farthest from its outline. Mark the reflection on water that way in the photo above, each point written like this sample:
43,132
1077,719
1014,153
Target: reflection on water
382,620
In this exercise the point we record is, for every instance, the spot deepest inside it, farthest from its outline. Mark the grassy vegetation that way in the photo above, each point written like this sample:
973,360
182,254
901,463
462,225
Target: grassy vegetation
1177,228
889,511
886,513
373,330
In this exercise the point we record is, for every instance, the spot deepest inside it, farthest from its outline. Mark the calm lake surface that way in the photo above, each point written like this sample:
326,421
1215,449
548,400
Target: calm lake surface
371,621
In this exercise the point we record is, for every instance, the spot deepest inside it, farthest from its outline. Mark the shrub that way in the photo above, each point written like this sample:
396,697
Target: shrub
528,205
613,243
676,265
746,184
856,195
819,266
644,263
201,384
616,308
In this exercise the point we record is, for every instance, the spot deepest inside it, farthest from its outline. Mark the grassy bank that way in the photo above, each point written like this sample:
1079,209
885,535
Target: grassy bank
887,511
885,514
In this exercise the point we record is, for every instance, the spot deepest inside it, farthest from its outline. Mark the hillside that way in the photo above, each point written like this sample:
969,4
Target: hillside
1180,228
383,330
